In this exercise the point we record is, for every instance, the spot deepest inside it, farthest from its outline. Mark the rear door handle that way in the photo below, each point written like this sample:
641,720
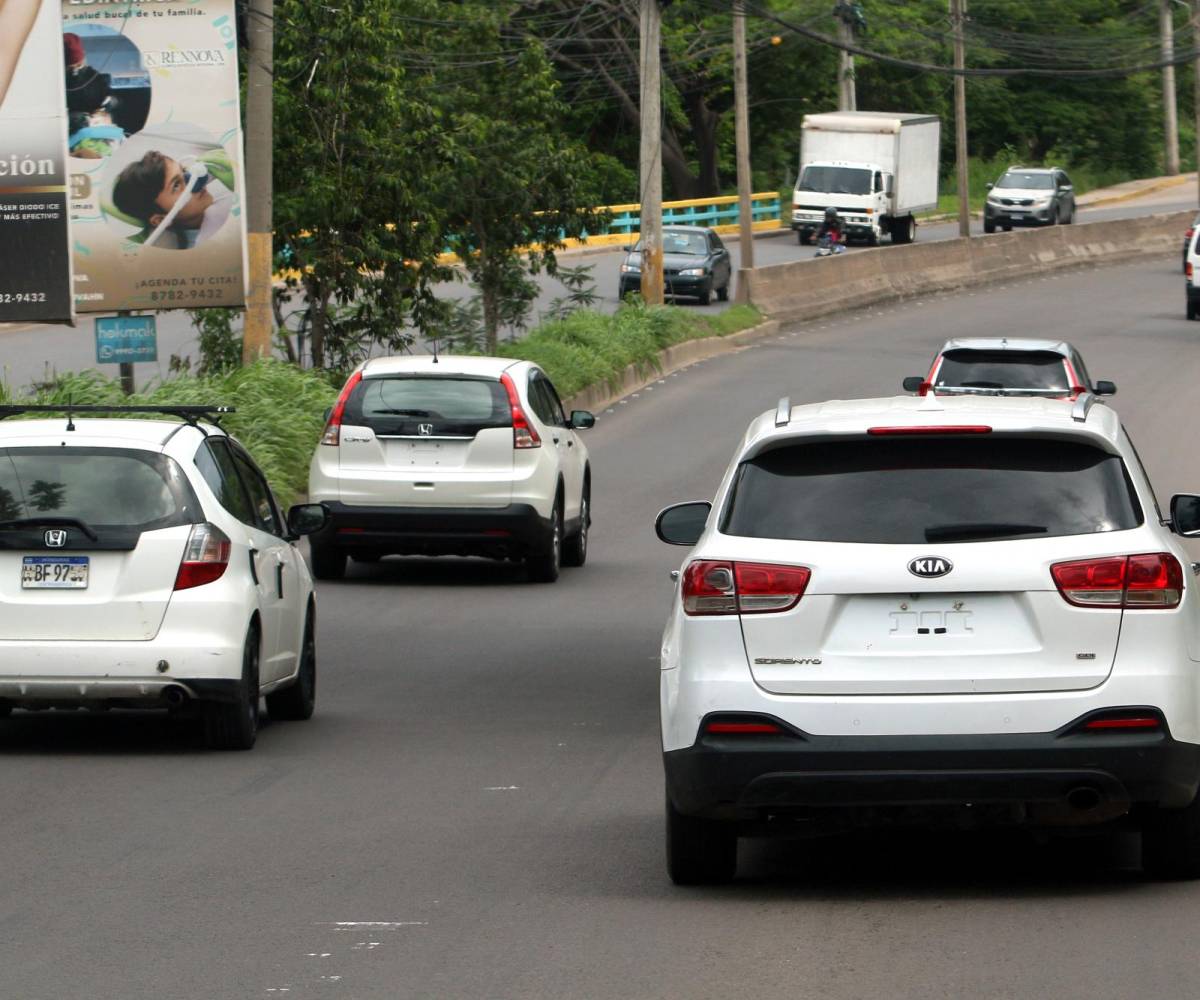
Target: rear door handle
279,579
254,566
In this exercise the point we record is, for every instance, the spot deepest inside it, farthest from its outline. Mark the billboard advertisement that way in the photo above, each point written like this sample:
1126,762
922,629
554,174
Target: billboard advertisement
35,243
154,153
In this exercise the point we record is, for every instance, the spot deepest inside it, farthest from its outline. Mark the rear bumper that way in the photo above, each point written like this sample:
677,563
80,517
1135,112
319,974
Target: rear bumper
1034,778
498,531
45,692
1193,292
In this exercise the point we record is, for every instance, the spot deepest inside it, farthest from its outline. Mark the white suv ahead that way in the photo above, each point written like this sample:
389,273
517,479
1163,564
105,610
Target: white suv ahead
959,609
144,564
452,456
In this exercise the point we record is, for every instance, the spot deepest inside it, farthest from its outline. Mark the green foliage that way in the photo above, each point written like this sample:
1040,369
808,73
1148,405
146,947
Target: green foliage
581,291
220,346
588,348
280,410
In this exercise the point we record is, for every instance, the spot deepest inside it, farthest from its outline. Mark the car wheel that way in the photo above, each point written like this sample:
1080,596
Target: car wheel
575,551
544,564
705,296
699,851
989,226
723,292
1008,227
328,561
1191,310
366,557
234,725
297,701
1171,842
801,237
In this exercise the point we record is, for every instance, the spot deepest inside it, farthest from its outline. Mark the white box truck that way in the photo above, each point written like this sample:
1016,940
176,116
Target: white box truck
876,168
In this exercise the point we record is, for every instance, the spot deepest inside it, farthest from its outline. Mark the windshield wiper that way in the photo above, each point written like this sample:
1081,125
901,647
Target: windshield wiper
49,522
981,529
983,385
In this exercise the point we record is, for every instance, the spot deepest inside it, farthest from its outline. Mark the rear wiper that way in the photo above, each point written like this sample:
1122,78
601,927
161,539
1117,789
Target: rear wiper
983,385
404,413
983,529
50,522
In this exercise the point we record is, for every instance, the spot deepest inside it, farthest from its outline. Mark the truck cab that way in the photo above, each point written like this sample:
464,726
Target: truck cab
861,193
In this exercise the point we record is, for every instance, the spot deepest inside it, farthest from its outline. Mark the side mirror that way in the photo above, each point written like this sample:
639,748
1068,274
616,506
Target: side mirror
913,383
581,420
683,523
1106,389
627,249
990,186
307,518
1185,515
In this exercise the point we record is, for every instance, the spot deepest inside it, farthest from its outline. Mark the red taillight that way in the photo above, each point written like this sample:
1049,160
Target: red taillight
205,558
1189,268
1150,581
1127,722
944,429
727,588
925,388
524,435
742,728
333,429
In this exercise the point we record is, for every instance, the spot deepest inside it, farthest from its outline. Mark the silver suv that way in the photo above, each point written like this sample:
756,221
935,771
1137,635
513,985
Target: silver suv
1029,196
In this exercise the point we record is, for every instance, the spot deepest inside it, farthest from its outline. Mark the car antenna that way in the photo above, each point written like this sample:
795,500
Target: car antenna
70,422
435,350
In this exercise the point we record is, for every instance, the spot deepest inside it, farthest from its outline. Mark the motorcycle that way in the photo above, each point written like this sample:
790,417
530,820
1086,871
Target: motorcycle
826,247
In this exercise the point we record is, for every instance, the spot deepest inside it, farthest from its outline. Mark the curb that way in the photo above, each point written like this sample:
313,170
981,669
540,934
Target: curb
671,359
1149,189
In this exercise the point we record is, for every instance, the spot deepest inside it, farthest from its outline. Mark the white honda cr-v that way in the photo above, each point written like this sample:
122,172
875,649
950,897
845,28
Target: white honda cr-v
145,564
938,609
452,456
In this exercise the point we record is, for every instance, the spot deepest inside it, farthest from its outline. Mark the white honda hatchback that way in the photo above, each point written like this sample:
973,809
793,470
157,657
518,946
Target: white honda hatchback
943,609
452,456
145,564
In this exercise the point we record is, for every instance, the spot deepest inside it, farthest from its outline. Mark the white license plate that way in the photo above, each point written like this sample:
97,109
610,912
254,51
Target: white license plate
54,573
1017,215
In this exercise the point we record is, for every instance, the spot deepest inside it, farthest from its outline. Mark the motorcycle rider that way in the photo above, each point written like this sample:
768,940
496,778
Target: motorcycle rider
832,227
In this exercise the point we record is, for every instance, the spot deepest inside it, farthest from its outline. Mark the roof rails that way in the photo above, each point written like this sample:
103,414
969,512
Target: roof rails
783,412
1083,405
190,414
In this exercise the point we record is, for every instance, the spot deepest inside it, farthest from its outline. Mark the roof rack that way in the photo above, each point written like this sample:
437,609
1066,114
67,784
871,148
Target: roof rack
1083,405
190,414
783,412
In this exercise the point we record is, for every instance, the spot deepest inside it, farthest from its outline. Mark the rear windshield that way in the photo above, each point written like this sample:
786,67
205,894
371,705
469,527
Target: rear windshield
1041,370
835,180
423,405
102,487
920,490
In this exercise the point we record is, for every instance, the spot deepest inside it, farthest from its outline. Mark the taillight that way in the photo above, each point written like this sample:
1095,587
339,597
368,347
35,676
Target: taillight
524,434
1123,722
1153,580
205,558
745,726
333,429
727,588
1189,269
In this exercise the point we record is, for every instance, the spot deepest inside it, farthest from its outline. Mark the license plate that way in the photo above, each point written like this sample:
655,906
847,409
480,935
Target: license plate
1018,215
54,573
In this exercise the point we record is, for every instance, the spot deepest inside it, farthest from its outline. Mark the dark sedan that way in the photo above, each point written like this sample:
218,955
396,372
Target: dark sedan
695,264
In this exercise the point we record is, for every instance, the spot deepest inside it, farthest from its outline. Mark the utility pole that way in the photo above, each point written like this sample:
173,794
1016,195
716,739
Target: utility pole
1170,120
848,15
1196,75
260,146
958,10
651,154
745,182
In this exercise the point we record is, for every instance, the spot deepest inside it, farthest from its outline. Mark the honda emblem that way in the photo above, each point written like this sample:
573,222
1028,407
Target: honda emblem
55,538
425,430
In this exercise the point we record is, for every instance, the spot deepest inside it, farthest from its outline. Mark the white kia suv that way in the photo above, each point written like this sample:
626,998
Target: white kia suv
935,609
145,564
452,456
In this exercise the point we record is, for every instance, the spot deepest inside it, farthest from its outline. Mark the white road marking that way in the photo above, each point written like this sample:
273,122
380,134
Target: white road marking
502,788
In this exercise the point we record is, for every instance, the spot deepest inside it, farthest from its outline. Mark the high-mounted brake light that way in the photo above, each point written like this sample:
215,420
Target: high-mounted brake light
1151,581
205,557
728,588
943,429
524,434
333,429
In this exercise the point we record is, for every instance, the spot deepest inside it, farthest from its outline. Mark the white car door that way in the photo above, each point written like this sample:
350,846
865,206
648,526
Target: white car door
548,409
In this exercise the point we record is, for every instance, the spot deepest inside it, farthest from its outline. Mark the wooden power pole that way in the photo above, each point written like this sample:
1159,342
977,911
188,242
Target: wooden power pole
957,17
1170,116
651,154
847,91
745,181
260,145
1196,75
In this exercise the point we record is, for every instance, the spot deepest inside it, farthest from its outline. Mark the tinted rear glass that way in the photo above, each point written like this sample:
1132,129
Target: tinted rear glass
1042,370
103,487
835,180
923,490
446,405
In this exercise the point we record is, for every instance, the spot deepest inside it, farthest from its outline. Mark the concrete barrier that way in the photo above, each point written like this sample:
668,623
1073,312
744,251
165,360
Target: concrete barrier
810,288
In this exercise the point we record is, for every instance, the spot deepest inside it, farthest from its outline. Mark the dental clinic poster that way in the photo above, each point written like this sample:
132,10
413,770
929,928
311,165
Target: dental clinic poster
155,154
35,245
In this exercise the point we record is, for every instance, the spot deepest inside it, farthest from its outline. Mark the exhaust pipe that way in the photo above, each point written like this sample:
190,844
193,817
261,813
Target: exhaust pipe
1083,798
175,696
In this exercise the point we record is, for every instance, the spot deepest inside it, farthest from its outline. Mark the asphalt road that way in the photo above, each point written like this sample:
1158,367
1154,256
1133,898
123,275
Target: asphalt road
475,810
32,353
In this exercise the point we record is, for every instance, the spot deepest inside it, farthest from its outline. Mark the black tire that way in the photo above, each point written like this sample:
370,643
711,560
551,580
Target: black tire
297,701
543,565
989,226
723,292
1171,842
234,725
367,558
1191,309
576,548
801,238
1008,227
699,852
328,561
705,296
873,239
6,709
